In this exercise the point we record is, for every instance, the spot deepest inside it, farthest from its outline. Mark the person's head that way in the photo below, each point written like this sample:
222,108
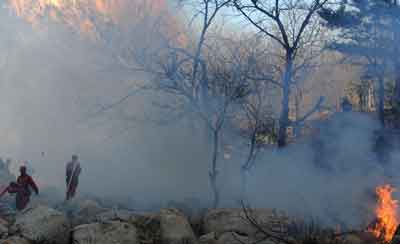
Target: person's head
74,158
22,170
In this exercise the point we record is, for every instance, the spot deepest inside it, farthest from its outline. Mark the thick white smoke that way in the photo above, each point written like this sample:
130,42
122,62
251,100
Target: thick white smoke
52,84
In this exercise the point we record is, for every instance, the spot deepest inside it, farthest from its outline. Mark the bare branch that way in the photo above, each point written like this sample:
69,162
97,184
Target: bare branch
312,111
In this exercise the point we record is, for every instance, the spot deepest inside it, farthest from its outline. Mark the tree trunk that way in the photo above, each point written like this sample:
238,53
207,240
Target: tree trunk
244,170
214,172
243,173
297,127
284,117
381,101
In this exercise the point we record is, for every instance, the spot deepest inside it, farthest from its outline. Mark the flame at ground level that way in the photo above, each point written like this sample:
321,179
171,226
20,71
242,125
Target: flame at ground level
386,214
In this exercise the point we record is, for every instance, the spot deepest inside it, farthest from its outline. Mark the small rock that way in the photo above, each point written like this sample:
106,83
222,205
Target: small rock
210,238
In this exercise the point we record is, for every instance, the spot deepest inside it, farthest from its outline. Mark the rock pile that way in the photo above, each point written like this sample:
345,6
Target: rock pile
91,223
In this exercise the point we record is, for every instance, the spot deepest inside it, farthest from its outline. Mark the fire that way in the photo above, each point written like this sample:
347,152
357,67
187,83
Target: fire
386,214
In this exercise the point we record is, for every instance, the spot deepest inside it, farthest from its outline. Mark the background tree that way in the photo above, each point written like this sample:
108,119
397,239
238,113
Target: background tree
286,23
368,30
201,79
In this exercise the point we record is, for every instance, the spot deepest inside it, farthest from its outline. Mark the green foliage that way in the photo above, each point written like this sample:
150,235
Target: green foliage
367,31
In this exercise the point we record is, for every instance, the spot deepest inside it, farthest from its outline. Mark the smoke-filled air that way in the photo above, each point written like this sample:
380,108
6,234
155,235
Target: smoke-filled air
209,121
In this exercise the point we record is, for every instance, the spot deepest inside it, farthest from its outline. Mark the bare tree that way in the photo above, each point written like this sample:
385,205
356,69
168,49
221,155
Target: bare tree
271,19
258,129
228,87
255,119
201,79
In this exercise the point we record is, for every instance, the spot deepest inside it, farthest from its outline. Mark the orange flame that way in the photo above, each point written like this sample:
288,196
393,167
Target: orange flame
386,214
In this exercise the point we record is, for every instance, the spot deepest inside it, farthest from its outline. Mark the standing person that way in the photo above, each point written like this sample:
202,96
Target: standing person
73,170
23,189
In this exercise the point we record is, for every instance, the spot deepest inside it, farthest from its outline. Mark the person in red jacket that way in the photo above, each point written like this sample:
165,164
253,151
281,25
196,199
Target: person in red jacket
22,188
73,170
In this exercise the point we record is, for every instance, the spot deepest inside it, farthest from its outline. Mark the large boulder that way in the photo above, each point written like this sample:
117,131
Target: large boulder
15,240
220,221
42,225
105,233
175,228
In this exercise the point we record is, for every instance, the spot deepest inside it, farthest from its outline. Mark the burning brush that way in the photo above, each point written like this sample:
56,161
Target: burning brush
386,223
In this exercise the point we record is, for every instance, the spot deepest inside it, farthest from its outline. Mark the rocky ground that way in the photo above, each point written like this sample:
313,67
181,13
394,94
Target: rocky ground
87,222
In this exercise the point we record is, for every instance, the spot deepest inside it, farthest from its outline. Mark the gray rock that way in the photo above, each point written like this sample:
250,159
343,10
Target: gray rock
105,233
83,212
116,215
175,228
210,238
235,220
230,238
15,240
3,228
233,238
149,227
42,224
